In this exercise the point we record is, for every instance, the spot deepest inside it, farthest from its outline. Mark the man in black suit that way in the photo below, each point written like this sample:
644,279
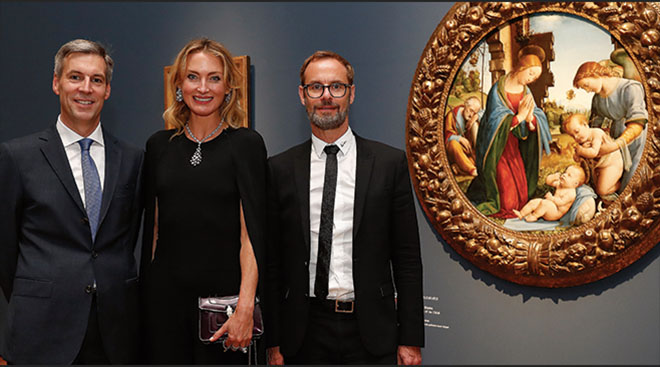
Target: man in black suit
345,272
69,215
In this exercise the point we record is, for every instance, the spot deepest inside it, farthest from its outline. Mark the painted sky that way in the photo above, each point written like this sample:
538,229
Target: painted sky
576,41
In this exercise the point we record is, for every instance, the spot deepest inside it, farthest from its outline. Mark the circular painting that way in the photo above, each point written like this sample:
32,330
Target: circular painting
532,137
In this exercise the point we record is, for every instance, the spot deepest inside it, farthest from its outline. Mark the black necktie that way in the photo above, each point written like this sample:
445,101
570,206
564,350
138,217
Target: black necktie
327,215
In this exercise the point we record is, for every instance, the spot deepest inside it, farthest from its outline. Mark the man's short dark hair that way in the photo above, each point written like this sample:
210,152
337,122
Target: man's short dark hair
330,55
85,47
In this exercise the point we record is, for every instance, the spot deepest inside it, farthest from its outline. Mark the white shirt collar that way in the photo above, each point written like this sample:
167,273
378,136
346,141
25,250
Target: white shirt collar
345,143
69,136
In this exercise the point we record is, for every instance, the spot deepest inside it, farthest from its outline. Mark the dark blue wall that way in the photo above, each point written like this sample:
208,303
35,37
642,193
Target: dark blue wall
483,319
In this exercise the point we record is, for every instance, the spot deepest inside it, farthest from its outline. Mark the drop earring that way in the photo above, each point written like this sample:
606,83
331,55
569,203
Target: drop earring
179,95
228,96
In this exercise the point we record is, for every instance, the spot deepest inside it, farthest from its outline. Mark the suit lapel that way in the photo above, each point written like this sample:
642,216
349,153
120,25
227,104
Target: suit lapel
53,150
365,163
112,166
301,171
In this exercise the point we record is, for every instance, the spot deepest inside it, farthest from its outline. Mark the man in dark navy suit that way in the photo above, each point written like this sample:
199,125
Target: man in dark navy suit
344,279
70,207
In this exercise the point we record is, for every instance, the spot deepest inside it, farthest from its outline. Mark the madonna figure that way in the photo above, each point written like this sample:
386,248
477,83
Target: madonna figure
512,135
203,231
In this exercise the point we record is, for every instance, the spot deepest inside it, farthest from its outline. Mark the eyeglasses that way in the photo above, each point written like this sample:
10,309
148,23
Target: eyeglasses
315,90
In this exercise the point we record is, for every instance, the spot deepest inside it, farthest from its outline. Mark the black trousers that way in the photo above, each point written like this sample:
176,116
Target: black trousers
334,338
91,351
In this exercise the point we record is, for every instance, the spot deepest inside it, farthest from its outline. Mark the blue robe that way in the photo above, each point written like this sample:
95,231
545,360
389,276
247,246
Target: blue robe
625,104
494,130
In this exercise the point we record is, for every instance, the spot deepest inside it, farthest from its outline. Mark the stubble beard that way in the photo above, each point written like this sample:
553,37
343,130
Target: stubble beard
328,122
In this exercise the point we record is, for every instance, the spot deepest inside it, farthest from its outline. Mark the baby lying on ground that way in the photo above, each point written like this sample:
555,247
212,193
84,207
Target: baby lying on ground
553,207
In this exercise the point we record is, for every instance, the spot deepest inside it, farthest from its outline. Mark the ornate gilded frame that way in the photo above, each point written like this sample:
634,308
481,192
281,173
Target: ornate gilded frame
243,65
628,228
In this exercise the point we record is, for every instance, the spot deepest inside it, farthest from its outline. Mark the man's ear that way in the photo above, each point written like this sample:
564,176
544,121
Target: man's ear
56,84
301,94
107,92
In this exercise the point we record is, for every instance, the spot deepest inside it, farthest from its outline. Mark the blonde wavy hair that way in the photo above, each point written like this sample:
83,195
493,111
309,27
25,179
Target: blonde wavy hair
178,113
591,69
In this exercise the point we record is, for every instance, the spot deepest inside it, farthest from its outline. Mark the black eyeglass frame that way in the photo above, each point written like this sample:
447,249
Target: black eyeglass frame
326,86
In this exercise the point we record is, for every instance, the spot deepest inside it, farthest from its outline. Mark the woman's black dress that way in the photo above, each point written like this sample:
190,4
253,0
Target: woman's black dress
198,246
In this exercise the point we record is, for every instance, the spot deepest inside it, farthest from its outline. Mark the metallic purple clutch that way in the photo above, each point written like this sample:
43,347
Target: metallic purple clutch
215,311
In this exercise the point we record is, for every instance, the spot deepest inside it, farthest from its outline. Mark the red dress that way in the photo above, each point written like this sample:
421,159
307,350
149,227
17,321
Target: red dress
510,171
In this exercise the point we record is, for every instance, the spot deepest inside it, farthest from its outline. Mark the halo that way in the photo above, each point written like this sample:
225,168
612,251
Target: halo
532,50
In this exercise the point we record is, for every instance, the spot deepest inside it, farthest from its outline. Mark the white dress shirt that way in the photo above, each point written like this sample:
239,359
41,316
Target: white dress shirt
72,148
340,285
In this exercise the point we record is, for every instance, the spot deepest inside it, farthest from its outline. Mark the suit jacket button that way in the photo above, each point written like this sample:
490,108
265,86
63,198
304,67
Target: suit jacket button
95,254
84,220
306,263
88,289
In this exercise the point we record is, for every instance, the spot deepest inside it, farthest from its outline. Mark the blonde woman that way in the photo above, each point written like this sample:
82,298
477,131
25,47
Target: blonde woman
203,231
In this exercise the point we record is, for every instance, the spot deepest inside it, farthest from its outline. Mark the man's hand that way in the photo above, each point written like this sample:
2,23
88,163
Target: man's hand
407,355
473,122
466,145
274,356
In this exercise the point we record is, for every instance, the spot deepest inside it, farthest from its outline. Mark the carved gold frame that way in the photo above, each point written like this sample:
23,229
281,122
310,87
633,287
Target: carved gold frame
628,228
243,65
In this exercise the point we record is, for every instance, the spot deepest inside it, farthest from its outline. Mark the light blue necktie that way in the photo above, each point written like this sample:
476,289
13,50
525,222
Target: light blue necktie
92,183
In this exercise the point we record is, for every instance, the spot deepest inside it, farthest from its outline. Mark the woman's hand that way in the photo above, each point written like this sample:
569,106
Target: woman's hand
238,329
530,114
525,107
530,124
529,100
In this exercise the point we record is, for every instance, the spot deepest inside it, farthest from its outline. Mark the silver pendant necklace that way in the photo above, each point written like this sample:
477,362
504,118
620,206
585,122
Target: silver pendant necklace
196,158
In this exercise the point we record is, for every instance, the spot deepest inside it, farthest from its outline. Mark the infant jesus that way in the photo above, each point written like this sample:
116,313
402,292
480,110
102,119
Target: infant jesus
608,169
553,207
